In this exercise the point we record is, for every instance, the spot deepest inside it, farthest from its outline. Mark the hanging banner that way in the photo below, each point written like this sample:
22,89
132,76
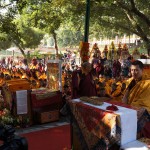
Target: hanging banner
21,98
54,82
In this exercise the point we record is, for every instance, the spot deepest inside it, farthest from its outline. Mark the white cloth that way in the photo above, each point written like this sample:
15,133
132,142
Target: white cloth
135,145
128,119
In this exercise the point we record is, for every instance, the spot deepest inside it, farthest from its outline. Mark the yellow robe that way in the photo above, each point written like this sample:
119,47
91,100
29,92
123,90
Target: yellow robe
101,79
108,89
116,92
2,81
139,95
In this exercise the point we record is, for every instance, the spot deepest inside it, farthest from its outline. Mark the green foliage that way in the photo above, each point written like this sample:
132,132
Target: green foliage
4,42
129,16
68,38
31,37
65,19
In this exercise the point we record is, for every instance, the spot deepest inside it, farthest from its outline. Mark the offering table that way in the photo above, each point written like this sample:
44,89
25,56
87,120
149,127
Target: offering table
45,105
94,127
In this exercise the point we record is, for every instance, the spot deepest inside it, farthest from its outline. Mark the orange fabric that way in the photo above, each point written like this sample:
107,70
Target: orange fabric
116,92
108,89
101,79
140,94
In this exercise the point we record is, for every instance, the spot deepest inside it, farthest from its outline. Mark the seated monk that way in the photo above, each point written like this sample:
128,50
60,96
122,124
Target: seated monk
102,91
101,78
115,91
137,92
34,83
25,76
107,87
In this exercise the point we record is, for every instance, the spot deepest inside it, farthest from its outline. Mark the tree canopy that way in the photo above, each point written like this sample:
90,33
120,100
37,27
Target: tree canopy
128,16
51,16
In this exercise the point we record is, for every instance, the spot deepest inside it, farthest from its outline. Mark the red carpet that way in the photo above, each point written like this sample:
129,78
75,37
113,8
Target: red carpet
57,138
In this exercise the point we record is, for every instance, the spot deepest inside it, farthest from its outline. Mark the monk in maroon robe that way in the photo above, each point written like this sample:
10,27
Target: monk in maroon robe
75,83
87,86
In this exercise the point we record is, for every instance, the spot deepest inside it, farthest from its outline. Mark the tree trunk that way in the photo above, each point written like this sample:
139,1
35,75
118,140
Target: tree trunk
55,41
22,51
20,48
147,44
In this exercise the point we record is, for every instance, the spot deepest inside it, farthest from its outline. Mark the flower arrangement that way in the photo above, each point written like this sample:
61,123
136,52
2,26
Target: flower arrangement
7,118
21,121
84,51
18,121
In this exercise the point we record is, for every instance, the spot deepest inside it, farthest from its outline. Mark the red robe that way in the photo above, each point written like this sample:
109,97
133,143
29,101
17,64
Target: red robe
87,86
75,86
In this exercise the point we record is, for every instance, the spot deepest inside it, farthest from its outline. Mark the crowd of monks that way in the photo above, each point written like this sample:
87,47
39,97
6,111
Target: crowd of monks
33,73
112,88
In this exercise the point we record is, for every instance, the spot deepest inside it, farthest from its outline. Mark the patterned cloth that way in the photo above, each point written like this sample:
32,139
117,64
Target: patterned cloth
99,129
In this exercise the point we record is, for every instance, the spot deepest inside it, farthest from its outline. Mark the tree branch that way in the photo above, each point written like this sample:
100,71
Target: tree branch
4,6
135,11
140,31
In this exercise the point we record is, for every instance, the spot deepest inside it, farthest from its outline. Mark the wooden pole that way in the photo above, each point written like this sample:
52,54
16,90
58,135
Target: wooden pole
87,20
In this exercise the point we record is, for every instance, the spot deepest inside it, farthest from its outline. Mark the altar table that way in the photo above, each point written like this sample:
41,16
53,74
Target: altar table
47,104
98,129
